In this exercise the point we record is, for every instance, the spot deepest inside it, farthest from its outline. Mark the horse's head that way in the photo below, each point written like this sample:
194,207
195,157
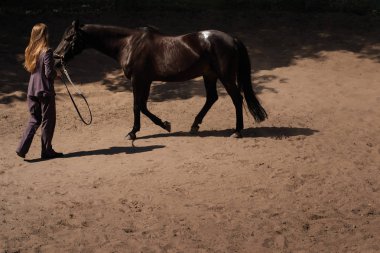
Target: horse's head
72,43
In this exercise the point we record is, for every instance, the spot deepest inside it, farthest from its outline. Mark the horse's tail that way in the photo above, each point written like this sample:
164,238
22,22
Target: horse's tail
245,83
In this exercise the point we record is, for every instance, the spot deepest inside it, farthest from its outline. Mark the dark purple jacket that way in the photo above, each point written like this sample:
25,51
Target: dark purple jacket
41,82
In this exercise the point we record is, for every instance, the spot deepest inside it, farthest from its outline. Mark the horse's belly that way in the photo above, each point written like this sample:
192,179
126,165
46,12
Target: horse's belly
178,78
183,75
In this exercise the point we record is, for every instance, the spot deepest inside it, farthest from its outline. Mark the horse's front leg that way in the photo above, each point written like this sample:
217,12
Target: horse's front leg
141,89
137,98
136,122
144,109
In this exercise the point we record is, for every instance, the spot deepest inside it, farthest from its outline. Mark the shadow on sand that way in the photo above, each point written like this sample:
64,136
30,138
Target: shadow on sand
106,151
266,132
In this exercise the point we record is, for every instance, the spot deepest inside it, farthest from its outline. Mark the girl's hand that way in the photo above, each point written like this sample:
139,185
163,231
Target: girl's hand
59,75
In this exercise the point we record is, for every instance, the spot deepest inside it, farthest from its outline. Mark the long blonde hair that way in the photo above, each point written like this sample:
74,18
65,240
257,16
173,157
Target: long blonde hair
38,43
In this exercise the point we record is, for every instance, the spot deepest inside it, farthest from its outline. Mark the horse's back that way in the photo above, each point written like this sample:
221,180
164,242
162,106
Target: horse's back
176,58
197,43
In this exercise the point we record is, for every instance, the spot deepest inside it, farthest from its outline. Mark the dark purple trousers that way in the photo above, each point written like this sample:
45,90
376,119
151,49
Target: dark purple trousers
42,113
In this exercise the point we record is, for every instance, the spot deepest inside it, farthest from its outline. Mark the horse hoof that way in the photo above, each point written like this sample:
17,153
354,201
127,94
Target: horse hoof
194,129
131,136
167,126
236,135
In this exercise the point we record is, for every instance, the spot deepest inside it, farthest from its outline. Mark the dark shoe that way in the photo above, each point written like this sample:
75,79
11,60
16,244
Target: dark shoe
20,155
51,155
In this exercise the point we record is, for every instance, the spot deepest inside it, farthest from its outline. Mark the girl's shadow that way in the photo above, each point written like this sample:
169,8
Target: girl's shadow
106,151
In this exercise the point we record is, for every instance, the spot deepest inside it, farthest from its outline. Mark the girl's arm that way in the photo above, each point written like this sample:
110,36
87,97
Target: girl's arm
50,72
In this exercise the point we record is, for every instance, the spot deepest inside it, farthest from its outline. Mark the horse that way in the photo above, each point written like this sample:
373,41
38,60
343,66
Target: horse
146,55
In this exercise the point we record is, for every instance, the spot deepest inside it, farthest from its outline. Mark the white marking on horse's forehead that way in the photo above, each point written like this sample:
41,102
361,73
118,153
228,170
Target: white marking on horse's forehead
206,34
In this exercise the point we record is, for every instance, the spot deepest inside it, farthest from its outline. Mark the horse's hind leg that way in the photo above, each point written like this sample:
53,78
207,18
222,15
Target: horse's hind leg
211,98
144,109
237,99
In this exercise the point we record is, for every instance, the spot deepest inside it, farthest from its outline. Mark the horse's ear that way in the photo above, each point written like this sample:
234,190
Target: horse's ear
76,24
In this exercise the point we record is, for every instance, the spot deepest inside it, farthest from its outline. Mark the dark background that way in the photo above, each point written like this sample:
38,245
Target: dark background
69,6
276,32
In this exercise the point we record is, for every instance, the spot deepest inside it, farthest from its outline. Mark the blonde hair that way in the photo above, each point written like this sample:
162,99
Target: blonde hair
38,43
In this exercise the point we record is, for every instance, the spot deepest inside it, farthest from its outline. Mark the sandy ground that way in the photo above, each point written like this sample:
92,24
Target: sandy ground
305,180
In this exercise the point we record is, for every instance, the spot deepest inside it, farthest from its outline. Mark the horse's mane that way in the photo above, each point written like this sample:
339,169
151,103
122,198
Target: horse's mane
109,30
150,28
118,30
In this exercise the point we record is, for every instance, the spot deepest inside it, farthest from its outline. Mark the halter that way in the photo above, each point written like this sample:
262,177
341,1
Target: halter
77,91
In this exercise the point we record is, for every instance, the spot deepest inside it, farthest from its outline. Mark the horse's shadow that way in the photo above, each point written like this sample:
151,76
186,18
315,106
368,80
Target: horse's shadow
266,132
106,151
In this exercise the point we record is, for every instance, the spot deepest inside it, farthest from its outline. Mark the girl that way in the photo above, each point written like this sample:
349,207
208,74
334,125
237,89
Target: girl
41,96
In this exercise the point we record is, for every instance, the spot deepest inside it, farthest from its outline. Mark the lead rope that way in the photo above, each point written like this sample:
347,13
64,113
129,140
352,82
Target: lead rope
78,92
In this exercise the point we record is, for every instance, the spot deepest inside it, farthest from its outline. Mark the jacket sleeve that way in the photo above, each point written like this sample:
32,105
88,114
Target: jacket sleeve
50,72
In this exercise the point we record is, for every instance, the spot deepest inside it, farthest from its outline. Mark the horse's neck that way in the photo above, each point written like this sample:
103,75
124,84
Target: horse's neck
107,39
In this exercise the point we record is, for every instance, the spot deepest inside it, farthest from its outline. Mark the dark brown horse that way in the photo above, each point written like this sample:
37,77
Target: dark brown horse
146,55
